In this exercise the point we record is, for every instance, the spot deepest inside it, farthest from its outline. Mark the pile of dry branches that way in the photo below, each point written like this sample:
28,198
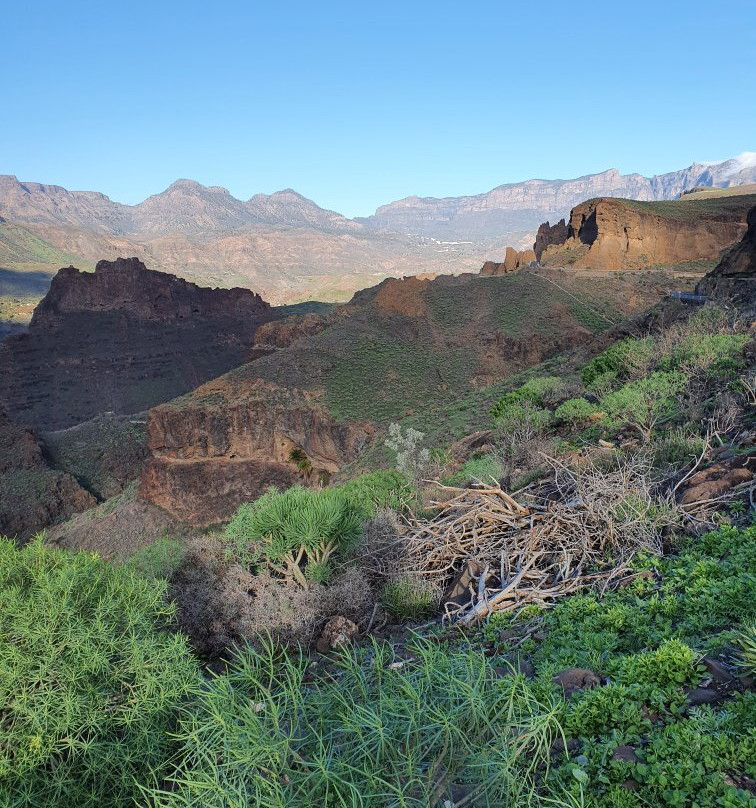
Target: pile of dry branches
586,531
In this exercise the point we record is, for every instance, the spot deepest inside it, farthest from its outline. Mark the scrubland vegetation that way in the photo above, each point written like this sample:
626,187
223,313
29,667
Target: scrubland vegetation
618,673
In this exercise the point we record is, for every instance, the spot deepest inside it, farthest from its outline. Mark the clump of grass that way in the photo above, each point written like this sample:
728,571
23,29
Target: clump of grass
91,682
746,643
382,732
410,597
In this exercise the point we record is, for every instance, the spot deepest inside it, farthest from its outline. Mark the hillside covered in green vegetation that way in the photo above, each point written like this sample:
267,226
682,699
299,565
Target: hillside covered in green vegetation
555,609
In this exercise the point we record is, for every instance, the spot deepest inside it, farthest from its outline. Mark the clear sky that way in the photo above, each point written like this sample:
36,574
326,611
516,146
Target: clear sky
355,104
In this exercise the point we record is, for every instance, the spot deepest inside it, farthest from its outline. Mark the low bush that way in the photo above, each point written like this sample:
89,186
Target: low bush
296,532
710,355
642,404
575,411
410,597
627,359
91,682
483,469
541,391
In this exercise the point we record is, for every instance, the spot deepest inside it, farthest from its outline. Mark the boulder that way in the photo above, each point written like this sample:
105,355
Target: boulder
574,679
338,631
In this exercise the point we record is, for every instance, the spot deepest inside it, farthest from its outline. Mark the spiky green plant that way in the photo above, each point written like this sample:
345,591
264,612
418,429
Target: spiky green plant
293,530
746,642
91,682
380,732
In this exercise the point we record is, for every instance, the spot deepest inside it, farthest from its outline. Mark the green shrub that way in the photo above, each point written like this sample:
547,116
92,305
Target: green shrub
575,411
676,448
293,530
411,597
672,664
643,403
378,489
521,416
158,560
91,681
482,468
715,355
543,390
627,358
746,643
380,732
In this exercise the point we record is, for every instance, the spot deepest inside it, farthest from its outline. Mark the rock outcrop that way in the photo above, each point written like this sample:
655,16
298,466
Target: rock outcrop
617,234
234,438
513,259
549,234
32,495
122,339
735,275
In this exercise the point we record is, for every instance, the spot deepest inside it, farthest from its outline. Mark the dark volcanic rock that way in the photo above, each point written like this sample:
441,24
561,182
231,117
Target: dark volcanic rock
549,234
122,339
735,275
32,495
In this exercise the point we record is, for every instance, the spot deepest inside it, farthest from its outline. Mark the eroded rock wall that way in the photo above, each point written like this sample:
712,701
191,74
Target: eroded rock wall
613,234
122,339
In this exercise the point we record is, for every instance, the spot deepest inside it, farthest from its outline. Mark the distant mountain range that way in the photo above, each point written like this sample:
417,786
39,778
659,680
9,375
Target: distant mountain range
287,247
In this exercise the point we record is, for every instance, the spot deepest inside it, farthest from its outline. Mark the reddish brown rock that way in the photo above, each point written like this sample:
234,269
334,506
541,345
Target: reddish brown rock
574,679
615,234
512,260
233,439
735,275
718,479
122,339
282,333
549,234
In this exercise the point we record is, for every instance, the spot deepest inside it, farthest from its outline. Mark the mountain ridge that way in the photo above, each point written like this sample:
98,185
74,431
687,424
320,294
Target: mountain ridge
288,248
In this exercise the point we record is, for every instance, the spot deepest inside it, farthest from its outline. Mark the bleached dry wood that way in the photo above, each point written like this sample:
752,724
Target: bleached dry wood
541,551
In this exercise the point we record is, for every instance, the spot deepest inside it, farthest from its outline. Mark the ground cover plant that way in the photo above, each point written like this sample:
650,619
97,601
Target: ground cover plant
90,679
644,642
379,731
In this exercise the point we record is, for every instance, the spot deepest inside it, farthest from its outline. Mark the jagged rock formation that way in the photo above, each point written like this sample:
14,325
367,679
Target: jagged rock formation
122,339
514,259
549,234
32,495
517,208
615,234
312,404
735,276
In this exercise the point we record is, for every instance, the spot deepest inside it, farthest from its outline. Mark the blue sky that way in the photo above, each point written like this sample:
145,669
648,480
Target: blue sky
356,104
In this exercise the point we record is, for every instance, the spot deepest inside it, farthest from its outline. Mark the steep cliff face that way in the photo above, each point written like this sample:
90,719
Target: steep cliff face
735,275
549,234
32,495
122,339
615,234
232,439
